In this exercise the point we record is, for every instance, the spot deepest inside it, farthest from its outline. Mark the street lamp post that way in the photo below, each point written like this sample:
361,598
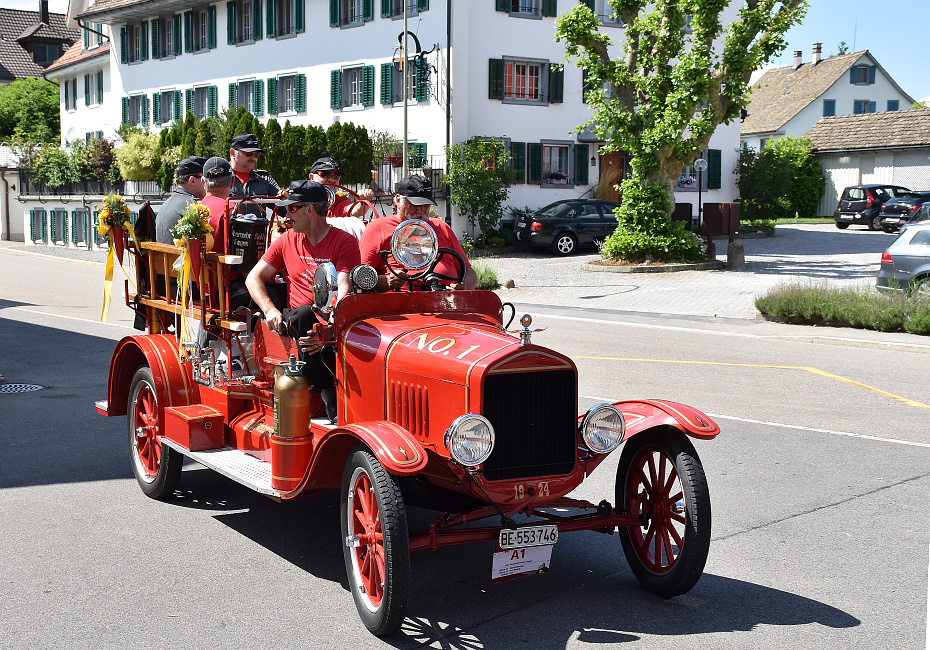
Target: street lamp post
701,166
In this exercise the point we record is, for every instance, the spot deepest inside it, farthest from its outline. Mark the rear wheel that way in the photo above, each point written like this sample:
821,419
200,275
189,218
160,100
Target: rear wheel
876,222
565,243
375,543
842,226
157,467
661,480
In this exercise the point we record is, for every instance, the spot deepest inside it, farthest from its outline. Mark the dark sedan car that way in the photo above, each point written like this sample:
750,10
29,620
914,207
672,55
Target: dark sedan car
905,264
862,204
563,226
901,209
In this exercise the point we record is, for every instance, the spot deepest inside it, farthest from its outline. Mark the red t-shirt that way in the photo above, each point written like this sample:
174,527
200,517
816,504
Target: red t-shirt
217,207
377,238
292,254
341,206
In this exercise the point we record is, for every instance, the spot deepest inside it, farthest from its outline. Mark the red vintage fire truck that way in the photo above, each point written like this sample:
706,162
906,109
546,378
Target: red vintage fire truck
440,405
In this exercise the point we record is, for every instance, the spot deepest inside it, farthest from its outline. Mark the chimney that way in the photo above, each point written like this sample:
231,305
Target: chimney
798,59
816,59
43,12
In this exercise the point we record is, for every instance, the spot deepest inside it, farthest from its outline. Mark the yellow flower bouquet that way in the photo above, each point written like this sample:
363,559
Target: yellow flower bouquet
193,224
112,222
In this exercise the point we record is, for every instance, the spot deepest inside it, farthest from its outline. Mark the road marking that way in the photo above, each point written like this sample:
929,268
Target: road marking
799,428
816,371
50,257
83,320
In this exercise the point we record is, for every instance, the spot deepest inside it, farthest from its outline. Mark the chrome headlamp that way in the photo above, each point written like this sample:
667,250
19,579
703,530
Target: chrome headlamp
602,428
414,244
470,439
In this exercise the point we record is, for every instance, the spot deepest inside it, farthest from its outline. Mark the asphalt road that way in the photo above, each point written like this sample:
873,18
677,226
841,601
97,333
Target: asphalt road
820,537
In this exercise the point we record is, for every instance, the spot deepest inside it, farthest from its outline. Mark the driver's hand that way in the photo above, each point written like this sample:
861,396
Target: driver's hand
274,319
310,343
366,194
394,282
458,286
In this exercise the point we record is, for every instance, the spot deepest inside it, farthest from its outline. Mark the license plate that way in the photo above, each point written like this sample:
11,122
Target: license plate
521,225
530,536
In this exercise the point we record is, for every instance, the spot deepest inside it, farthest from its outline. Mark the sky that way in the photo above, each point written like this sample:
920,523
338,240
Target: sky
894,32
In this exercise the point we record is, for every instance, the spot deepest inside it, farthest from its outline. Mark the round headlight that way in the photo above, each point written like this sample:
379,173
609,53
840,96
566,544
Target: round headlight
414,244
470,439
603,428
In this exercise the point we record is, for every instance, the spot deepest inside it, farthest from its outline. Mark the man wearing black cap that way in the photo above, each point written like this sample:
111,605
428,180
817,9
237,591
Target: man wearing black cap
188,189
243,156
296,255
327,172
413,198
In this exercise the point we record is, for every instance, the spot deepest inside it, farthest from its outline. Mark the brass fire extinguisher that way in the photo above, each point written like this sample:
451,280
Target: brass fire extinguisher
291,401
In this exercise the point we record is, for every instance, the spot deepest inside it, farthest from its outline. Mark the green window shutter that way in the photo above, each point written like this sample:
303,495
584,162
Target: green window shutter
495,78
556,83
422,5
188,102
123,46
871,75
534,162
368,10
713,169
417,157
581,164
387,92
211,27
421,79
177,106
550,8
212,101
98,35
66,91
156,109
300,12
99,86
176,28
231,23
588,3
269,19
256,20
586,85
86,39
335,89
233,96
156,54
125,110
258,103
518,153
74,91
368,85
99,134
502,5
188,31
334,13
300,92
272,96
144,40
87,90
144,106
386,8
73,228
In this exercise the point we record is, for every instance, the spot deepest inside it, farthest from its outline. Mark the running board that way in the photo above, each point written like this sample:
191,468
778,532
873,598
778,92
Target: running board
234,464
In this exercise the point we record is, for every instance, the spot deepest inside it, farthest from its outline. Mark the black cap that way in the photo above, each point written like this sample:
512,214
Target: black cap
305,191
217,167
190,166
417,189
324,164
245,142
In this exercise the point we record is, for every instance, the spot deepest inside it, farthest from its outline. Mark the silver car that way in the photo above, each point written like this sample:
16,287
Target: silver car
906,263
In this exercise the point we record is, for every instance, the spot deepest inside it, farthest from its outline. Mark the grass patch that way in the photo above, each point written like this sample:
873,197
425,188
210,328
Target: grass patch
757,225
863,307
487,277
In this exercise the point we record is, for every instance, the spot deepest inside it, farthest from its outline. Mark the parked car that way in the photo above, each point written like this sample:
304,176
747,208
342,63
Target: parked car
906,263
899,209
862,204
921,216
565,225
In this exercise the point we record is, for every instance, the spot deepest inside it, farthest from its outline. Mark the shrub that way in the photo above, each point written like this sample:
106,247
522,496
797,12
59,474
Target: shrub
479,172
52,166
487,277
138,159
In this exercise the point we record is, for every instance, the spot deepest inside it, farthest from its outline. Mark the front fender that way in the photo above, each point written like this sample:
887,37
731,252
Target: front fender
174,384
640,415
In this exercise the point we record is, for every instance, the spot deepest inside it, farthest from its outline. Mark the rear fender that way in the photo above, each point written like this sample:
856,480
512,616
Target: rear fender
640,415
174,384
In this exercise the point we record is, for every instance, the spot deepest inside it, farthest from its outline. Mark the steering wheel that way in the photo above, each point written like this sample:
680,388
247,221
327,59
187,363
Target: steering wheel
429,276
367,216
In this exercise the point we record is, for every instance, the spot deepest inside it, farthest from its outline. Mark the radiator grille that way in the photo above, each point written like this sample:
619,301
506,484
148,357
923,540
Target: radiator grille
534,419
409,407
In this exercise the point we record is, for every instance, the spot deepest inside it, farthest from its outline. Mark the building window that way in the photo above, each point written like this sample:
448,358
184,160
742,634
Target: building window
93,39
352,80
200,30
556,169
711,178
93,88
605,13
525,81
350,13
397,8
352,87
397,83
522,81
285,17
829,107
166,36
245,95
862,75
243,19
893,105
863,106
287,94
166,107
201,95
134,36
762,142
45,54
135,110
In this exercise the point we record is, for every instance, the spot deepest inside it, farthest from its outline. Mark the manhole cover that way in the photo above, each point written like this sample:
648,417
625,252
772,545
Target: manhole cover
19,388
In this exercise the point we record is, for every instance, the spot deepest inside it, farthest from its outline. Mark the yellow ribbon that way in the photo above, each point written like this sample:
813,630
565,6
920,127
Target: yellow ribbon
183,281
108,280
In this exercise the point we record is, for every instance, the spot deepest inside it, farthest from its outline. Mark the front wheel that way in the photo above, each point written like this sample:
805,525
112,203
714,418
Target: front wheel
661,480
841,226
565,244
375,543
876,222
157,466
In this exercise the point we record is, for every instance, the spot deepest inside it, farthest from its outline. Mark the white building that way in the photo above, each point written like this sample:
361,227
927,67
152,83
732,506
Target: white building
490,71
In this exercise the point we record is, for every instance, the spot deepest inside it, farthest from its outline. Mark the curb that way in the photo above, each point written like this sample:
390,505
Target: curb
654,268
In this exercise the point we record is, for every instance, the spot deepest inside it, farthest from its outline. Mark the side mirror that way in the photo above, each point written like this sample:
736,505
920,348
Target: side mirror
325,286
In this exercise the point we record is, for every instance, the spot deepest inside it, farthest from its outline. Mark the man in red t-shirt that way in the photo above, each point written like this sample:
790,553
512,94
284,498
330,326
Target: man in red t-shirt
296,254
412,201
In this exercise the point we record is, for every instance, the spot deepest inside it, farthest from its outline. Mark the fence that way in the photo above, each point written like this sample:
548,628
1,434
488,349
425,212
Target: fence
31,187
71,229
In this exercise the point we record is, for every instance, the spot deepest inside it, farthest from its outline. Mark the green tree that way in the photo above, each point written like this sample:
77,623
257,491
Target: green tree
52,166
137,159
920,105
479,171
682,74
314,148
842,48
761,185
30,111
189,135
351,147
806,184
271,151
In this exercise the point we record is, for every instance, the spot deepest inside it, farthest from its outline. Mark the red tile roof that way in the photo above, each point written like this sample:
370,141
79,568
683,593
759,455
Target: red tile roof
76,53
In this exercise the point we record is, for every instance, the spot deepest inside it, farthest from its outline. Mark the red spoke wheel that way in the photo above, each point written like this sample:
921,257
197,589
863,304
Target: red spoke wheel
661,480
157,467
376,544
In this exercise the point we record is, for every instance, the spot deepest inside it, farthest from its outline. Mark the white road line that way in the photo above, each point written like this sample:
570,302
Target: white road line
670,328
83,320
799,428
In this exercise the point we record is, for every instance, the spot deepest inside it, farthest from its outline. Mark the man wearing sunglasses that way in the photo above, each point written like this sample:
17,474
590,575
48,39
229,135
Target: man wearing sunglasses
244,152
296,255
327,172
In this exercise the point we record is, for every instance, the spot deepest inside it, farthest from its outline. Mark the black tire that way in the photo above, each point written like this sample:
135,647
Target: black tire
842,226
875,223
565,243
389,548
664,571
156,465
888,229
